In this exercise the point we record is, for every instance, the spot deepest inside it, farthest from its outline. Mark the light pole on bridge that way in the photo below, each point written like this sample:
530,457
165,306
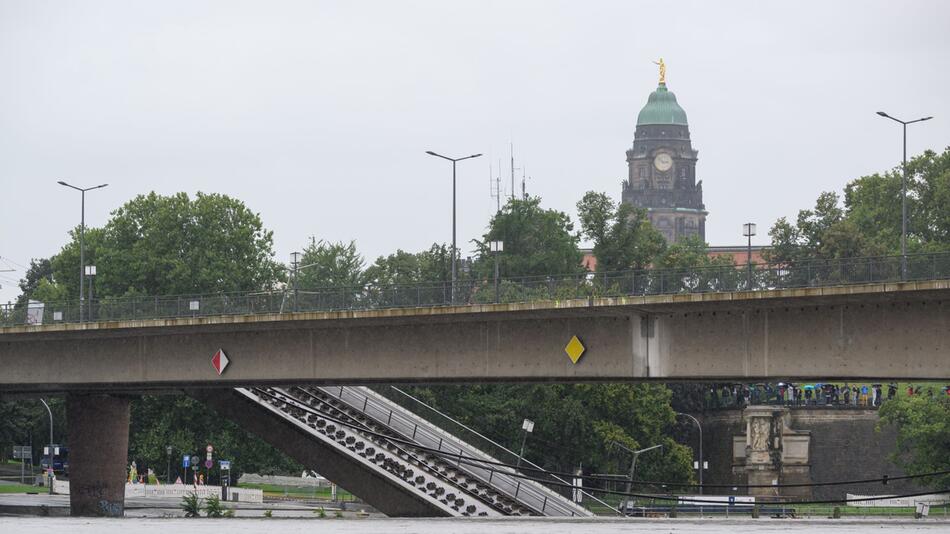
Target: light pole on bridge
454,161
903,191
82,239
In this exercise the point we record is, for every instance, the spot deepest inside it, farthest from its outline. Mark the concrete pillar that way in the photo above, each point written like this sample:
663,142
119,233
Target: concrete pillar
98,454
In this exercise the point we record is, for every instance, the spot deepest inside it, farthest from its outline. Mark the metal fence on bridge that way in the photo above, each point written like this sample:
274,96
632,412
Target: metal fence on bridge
471,291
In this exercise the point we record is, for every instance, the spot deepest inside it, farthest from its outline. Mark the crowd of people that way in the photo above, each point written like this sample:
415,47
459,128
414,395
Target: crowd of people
818,394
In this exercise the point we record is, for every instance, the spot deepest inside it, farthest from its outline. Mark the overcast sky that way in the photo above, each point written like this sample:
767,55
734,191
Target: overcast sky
318,114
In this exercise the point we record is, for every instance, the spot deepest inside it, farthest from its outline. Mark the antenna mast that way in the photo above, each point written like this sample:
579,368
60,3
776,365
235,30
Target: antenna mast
494,185
512,146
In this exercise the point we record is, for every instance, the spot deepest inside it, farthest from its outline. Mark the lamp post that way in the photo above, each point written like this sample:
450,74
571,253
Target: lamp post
296,266
700,427
49,466
91,274
496,248
633,470
528,427
82,237
168,472
903,191
748,230
454,161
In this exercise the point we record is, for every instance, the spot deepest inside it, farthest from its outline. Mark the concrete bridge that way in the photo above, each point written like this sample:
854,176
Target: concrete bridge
872,331
862,331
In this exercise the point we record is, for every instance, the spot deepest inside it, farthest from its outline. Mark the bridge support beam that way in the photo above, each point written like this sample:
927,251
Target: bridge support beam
98,450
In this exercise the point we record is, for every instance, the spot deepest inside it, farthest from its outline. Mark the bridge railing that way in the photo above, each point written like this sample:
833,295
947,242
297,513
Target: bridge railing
757,277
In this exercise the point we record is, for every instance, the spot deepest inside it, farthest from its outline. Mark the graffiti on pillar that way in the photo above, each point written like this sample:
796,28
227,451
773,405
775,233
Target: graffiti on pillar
110,509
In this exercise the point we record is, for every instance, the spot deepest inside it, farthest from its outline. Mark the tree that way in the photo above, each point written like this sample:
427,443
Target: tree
334,265
538,241
923,435
401,267
187,426
869,223
622,234
160,245
822,233
40,271
575,424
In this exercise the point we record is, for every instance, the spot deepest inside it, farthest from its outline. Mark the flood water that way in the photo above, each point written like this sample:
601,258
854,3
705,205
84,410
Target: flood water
34,525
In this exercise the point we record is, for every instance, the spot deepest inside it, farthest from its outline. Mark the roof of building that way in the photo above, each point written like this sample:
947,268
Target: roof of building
662,108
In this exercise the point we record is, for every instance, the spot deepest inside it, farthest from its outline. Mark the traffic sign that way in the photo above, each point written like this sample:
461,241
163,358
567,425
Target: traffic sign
219,361
225,465
208,464
194,462
209,448
22,452
186,461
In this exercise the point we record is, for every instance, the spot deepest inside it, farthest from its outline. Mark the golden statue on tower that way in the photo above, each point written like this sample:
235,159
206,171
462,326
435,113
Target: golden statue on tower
662,71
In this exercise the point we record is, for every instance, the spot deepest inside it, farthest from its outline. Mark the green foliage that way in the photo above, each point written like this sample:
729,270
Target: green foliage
575,424
321,513
26,421
401,267
331,265
158,245
40,272
923,435
538,241
191,505
623,237
268,513
162,245
214,508
869,223
188,426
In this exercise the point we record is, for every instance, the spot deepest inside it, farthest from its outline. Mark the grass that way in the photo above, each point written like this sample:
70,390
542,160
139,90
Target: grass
18,488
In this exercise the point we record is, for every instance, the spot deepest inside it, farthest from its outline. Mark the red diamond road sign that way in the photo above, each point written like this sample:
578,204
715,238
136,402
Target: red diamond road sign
219,361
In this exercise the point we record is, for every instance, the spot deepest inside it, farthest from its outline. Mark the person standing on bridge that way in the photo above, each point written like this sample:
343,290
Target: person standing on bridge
847,395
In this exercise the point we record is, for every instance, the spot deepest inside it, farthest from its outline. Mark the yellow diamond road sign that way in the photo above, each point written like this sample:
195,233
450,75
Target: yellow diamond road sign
574,349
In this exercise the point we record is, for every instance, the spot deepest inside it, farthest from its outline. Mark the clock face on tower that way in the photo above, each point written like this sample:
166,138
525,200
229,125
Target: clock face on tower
663,162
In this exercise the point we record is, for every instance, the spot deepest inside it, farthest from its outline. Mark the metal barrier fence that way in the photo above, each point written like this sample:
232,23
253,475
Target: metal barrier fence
754,277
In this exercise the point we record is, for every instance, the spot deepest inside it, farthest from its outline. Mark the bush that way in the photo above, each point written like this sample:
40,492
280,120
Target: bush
191,504
214,508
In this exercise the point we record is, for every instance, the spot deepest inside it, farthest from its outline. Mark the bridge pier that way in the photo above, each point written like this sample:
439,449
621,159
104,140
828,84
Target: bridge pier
98,453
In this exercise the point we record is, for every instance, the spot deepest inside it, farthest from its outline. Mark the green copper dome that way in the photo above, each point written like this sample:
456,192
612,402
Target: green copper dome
662,108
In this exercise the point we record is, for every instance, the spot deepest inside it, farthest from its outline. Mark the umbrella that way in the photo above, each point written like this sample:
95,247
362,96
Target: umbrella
809,386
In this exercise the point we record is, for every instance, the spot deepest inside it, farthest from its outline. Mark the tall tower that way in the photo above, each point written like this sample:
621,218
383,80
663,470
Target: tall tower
662,168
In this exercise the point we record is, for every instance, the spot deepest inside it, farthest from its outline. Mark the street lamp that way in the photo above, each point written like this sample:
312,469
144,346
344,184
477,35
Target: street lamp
528,426
454,161
700,427
168,472
903,191
91,274
748,230
82,237
496,248
295,262
633,470
49,467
